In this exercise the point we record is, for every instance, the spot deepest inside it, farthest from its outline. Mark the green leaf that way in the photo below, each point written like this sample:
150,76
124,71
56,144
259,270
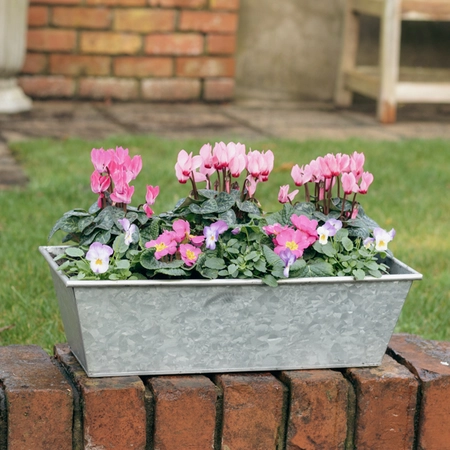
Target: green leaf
251,256
347,244
271,257
119,245
173,272
229,217
359,274
270,280
317,269
225,202
209,207
215,263
248,207
326,249
286,214
74,252
123,264
304,209
260,265
232,268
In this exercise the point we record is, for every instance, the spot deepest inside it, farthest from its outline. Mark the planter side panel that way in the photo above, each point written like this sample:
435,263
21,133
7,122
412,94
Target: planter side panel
69,314
173,329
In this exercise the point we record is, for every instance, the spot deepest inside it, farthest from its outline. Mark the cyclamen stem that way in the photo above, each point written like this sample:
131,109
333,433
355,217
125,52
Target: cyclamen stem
194,186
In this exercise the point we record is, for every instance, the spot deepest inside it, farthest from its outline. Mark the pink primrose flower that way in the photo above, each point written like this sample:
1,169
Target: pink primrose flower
307,227
189,254
294,240
165,244
274,229
98,256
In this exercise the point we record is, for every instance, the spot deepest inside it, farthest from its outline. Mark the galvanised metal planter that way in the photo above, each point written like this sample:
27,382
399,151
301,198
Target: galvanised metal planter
159,327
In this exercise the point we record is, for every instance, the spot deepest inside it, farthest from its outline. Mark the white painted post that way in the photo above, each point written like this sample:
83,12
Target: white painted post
13,29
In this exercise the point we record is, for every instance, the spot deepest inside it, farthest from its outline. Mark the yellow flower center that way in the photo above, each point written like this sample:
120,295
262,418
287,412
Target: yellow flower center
190,255
99,262
160,247
291,245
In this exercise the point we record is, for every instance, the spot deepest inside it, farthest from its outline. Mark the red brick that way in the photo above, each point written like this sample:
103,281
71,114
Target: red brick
386,403
63,64
110,43
133,66
429,361
47,86
144,20
109,88
39,400
319,400
48,39
253,407
218,89
208,21
185,412
227,5
35,63
205,67
126,3
178,3
174,44
81,17
57,2
171,89
37,16
113,407
220,44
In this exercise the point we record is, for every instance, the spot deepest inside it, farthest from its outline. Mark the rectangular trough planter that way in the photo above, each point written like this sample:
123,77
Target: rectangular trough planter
159,327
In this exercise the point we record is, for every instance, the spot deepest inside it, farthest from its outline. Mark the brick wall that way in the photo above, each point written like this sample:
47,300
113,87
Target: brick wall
49,403
151,50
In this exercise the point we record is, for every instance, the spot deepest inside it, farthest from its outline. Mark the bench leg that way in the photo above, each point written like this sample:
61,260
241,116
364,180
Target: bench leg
390,30
343,96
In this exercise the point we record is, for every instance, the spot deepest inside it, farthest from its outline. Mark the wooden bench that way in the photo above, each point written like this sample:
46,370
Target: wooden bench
388,83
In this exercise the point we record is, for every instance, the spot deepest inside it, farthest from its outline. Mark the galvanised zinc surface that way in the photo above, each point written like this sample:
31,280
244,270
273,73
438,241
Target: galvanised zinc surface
199,327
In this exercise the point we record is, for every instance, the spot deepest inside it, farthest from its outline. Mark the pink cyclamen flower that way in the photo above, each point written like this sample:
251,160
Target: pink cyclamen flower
357,164
212,233
99,183
366,181
189,254
349,184
122,193
165,244
307,227
206,154
129,229
382,238
284,196
150,198
100,159
98,256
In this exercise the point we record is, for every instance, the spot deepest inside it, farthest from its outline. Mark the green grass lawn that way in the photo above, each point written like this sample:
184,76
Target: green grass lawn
411,193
